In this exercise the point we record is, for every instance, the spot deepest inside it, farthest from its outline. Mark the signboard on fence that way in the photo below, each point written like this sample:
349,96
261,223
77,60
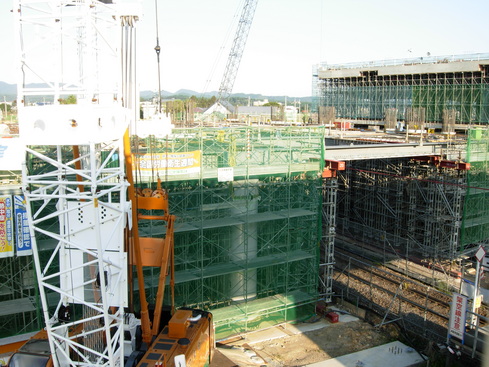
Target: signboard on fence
22,234
458,311
225,174
179,163
6,227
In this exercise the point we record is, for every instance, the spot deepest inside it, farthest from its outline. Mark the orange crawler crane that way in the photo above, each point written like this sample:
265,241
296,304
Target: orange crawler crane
188,339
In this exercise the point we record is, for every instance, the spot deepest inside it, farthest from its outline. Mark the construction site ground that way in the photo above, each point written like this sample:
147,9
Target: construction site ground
302,344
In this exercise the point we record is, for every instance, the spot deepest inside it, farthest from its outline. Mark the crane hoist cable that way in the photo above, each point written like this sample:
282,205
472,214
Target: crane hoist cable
158,50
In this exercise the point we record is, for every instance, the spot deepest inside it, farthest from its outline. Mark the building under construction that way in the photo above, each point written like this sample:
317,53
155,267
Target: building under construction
248,206
259,208
247,233
420,189
443,93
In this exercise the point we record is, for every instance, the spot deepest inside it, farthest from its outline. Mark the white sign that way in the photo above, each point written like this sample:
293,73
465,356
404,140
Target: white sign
457,316
225,174
12,152
480,253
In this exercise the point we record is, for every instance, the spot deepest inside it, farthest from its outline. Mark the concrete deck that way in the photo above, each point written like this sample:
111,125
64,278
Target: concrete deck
391,354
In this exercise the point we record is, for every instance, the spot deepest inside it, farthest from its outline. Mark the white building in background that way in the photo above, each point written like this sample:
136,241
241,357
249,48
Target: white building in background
149,109
221,108
257,114
290,113
260,103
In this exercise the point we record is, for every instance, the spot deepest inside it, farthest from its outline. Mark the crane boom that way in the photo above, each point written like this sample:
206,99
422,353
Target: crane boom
236,53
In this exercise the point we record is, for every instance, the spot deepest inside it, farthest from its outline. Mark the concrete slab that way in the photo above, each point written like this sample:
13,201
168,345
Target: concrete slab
264,335
236,356
305,327
391,354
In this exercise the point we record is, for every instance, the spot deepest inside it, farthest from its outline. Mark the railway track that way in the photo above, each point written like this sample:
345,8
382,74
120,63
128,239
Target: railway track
423,307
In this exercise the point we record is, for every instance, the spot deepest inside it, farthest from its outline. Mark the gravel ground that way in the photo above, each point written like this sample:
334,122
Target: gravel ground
302,349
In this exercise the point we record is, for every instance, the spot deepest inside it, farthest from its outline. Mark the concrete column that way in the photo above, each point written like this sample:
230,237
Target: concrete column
243,246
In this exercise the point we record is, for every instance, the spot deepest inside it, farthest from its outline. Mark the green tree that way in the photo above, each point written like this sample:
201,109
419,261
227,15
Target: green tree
71,99
5,106
203,102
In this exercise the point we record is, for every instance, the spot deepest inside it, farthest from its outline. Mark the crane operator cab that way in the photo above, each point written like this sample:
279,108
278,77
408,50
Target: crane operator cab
34,353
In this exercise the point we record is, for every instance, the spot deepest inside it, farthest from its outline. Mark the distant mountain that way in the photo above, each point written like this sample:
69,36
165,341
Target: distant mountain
273,98
148,94
181,93
187,92
9,91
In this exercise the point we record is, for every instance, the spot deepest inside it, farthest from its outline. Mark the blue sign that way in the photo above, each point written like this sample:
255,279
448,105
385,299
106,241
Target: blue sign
3,148
23,236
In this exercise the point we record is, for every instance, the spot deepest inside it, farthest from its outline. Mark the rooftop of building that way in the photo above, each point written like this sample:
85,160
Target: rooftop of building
406,61
419,65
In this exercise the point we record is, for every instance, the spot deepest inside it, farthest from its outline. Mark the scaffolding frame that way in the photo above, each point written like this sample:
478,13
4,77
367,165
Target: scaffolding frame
475,224
19,296
247,247
449,99
330,188
413,206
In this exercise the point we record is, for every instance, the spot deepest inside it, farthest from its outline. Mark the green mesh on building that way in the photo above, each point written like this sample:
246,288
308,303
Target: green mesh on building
246,249
366,102
475,223
362,99
19,313
471,101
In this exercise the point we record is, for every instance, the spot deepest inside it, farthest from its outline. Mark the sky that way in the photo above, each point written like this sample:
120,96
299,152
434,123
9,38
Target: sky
287,37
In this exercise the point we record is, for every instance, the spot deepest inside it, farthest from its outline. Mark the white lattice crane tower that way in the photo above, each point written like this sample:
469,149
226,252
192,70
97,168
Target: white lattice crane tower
236,53
78,51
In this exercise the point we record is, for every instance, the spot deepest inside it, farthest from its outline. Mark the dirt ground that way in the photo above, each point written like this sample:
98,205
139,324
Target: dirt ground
304,348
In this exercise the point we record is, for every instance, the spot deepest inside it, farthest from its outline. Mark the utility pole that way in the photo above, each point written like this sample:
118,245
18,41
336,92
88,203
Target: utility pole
480,254
5,107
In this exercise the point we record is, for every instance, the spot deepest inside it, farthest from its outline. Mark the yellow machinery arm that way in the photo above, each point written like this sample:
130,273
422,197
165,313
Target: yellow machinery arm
148,251
145,323
189,336
157,251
